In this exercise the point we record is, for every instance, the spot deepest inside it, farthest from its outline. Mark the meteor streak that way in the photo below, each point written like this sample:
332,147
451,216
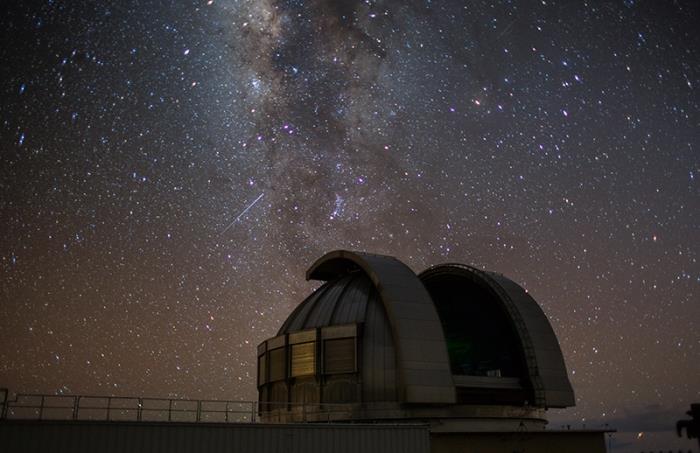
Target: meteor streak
242,213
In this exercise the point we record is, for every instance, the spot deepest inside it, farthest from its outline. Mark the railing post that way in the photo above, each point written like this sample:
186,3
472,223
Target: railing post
41,408
76,407
226,413
139,410
170,410
109,406
199,410
253,410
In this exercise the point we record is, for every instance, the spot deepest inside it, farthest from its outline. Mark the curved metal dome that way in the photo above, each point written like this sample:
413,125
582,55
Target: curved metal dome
453,343
345,300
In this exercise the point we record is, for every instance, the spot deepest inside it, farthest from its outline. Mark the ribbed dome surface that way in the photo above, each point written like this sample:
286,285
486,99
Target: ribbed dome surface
341,301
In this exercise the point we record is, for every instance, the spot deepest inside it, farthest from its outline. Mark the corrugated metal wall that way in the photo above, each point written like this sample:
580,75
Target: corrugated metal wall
145,437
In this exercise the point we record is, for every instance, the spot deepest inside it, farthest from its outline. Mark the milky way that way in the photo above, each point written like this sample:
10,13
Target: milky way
169,171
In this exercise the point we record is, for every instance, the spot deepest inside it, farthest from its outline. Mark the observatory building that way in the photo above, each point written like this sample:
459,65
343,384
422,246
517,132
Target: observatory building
455,347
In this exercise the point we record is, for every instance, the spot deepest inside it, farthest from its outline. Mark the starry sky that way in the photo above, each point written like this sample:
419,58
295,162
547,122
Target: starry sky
170,169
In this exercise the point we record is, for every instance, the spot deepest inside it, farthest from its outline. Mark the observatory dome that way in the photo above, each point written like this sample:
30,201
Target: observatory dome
454,346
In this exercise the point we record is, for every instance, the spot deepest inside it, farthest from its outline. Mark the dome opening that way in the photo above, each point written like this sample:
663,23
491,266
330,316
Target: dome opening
480,339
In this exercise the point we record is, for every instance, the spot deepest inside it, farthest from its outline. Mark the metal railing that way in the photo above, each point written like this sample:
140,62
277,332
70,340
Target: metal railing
25,406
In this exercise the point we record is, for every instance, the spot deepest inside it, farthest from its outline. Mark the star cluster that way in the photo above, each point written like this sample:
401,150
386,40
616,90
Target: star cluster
169,170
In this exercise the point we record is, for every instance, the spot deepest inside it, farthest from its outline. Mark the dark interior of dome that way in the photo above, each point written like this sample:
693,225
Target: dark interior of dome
480,338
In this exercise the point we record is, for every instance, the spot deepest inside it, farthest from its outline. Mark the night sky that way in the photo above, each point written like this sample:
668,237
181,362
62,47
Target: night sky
170,169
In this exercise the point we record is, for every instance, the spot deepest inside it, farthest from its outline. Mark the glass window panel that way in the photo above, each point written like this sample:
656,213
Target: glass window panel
303,359
339,355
